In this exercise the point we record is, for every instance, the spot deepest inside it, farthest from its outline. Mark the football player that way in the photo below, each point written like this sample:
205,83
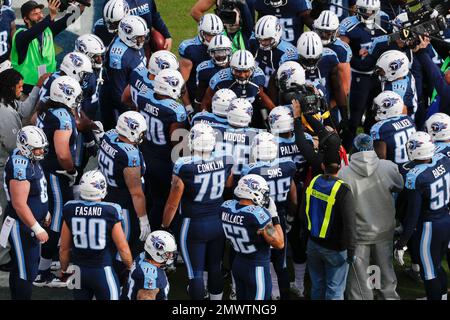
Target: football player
163,116
198,183
123,166
147,279
106,28
393,129
123,56
268,47
91,232
293,15
252,230
438,127
220,50
194,51
219,105
279,175
428,196
57,120
26,189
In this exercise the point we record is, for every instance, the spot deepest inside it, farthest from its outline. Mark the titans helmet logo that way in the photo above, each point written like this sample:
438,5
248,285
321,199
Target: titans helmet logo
131,123
286,74
158,243
274,118
173,81
414,144
100,185
251,183
22,137
249,111
126,27
438,126
162,64
67,89
81,46
389,102
76,60
396,64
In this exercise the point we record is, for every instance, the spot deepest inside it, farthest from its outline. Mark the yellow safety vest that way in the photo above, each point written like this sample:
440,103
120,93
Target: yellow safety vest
320,200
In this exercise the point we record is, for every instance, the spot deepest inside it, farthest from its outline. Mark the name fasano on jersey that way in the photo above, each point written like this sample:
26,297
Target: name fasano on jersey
231,218
212,166
289,150
399,125
106,147
88,211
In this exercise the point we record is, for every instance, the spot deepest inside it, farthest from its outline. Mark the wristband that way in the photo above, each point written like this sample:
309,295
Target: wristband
37,228
275,220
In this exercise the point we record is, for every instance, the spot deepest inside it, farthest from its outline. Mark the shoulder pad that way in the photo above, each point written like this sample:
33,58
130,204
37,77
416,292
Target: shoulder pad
348,24
208,64
229,203
261,214
180,163
179,110
64,118
186,44
412,175
258,72
222,75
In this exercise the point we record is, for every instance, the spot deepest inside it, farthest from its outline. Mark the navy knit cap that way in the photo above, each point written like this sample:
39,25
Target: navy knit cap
362,142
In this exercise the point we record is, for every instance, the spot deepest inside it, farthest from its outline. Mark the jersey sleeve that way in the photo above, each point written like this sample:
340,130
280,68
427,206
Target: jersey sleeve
346,25
261,217
258,77
116,211
132,156
63,120
216,79
179,165
179,111
183,49
19,168
375,131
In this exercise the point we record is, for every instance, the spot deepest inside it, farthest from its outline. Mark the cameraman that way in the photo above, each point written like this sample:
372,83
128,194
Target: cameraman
33,48
440,81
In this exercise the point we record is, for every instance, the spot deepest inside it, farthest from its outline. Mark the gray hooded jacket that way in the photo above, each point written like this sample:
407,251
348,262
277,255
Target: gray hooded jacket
372,182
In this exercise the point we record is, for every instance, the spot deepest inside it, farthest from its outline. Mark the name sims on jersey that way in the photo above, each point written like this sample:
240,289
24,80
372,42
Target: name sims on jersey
274,173
108,149
88,211
207,167
401,124
151,109
288,150
439,171
234,219
234,137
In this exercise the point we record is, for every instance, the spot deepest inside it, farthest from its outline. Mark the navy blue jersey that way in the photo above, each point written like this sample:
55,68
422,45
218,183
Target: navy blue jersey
195,51
21,168
140,82
395,132
204,183
101,31
279,175
288,15
224,79
405,168
443,147
361,37
269,61
7,16
206,70
241,224
342,50
146,9
433,182
321,76
287,148
235,141
405,88
336,7
51,121
120,62
113,157
91,225
159,115
208,118
144,275
392,10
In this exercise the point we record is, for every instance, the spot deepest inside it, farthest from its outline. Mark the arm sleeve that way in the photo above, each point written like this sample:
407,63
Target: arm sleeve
313,158
158,22
434,74
60,25
27,107
414,200
347,209
247,20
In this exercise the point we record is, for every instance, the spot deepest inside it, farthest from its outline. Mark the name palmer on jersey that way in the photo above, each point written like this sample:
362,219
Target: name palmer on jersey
289,150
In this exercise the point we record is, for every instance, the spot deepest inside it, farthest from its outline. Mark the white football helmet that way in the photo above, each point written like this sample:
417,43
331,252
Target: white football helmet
77,66
290,74
268,27
161,247
202,138
132,125
387,104
170,83
93,47
242,60
67,91
400,20
281,120
310,49
211,25
327,26
253,187
392,65
367,10
221,101
30,138
420,146
130,29
161,60
240,113
93,185
113,12
220,49
438,126
264,147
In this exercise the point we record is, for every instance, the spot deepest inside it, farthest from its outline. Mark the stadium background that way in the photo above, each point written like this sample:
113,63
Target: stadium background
176,14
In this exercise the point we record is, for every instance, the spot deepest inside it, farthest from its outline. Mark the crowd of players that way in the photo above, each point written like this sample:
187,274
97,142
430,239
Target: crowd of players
199,153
